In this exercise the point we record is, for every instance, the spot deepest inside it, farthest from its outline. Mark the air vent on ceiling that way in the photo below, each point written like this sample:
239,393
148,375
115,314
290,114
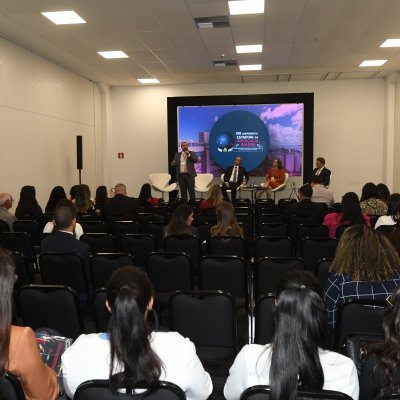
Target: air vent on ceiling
212,22
225,63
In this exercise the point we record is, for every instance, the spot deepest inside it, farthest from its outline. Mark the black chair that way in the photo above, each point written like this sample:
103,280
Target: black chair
269,218
296,220
4,227
102,265
386,229
156,229
144,218
99,389
81,217
269,271
264,325
226,273
262,392
310,230
31,227
208,319
11,388
22,270
139,245
273,246
51,306
169,272
283,203
121,228
246,219
208,216
272,229
322,270
314,249
93,226
21,242
359,316
227,246
99,242
65,269
204,230
188,244
392,393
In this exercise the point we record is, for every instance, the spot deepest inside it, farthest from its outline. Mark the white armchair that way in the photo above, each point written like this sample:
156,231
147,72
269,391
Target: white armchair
160,183
281,186
202,183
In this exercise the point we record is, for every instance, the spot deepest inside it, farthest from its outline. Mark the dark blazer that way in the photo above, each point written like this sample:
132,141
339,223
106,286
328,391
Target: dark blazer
242,173
325,174
190,161
121,204
305,208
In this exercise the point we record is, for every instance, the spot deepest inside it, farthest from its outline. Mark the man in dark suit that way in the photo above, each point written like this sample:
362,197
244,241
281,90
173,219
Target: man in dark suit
233,178
185,171
323,172
63,240
121,203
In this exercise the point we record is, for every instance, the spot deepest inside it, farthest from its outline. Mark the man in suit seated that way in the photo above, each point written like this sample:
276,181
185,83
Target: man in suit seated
322,171
121,203
233,178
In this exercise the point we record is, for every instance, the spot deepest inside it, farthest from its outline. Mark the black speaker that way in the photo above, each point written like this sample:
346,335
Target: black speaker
79,156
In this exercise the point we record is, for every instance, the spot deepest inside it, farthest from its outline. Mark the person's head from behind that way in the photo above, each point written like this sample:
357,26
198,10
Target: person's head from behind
394,206
383,192
305,192
351,209
300,330
120,188
6,200
369,191
316,180
101,194
65,215
28,194
181,220
145,193
82,198
56,194
73,191
214,194
226,215
129,297
365,254
7,280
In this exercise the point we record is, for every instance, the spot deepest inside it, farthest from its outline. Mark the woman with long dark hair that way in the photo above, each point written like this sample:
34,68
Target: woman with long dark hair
19,352
393,214
181,222
298,355
350,214
129,355
57,194
227,224
100,199
28,207
381,370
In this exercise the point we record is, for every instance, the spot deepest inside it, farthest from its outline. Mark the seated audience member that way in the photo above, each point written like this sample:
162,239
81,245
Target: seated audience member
369,202
380,371
83,203
383,193
394,239
19,352
320,193
181,222
227,224
57,194
128,354
100,199
213,199
321,171
28,207
365,266
121,203
63,239
72,192
350,214
305,207
6,202
393,213
299,353
145,199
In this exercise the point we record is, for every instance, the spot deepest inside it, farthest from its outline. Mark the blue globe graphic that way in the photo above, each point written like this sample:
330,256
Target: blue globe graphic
225,141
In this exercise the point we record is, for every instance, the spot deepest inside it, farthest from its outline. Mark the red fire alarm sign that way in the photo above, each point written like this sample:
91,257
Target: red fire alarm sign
120,155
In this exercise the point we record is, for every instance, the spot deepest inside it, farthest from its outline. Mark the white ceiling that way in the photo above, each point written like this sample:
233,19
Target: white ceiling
302,39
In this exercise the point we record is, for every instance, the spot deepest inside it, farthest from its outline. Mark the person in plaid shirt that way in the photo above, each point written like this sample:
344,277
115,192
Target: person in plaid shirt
365,266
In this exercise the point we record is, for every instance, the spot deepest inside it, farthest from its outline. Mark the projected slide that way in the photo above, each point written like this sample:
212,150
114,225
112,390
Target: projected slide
257,133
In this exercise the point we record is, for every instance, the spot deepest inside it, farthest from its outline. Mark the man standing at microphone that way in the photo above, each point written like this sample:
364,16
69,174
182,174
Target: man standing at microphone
185,171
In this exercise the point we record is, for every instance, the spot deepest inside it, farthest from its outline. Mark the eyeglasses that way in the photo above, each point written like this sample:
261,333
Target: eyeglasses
389,301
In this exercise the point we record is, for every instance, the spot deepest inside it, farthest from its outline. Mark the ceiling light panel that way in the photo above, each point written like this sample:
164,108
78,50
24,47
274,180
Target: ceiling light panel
113,54
64,17
250,67
372,63
148,80
240,7
252,48
391,43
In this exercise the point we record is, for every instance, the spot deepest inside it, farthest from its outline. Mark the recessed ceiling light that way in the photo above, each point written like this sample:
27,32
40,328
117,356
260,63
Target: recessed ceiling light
64,17
391,43
372,63
113,54
253,67
149,80
252,48
238,7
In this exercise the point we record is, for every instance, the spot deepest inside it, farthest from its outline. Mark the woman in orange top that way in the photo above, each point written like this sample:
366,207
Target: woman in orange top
274,178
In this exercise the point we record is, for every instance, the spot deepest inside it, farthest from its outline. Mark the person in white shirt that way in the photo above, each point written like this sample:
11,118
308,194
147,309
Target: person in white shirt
298,355
320,193
393,214
128,354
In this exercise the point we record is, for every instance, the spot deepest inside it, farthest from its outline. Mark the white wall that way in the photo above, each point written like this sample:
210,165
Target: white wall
348,128
42,109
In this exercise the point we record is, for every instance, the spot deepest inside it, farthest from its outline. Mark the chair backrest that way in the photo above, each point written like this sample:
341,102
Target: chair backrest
188,244
202,181
213,330
314,249
268,217
100,390
99,242
11,388
4,227
226,273
264,325
22,270
359,316
93,226
269,271
139,245
21,242
272,229
156,229
296,220
227,246
310,230
322,271
204,230
262,392
51,306
31,227
102,265
159,180
273,246
143,218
